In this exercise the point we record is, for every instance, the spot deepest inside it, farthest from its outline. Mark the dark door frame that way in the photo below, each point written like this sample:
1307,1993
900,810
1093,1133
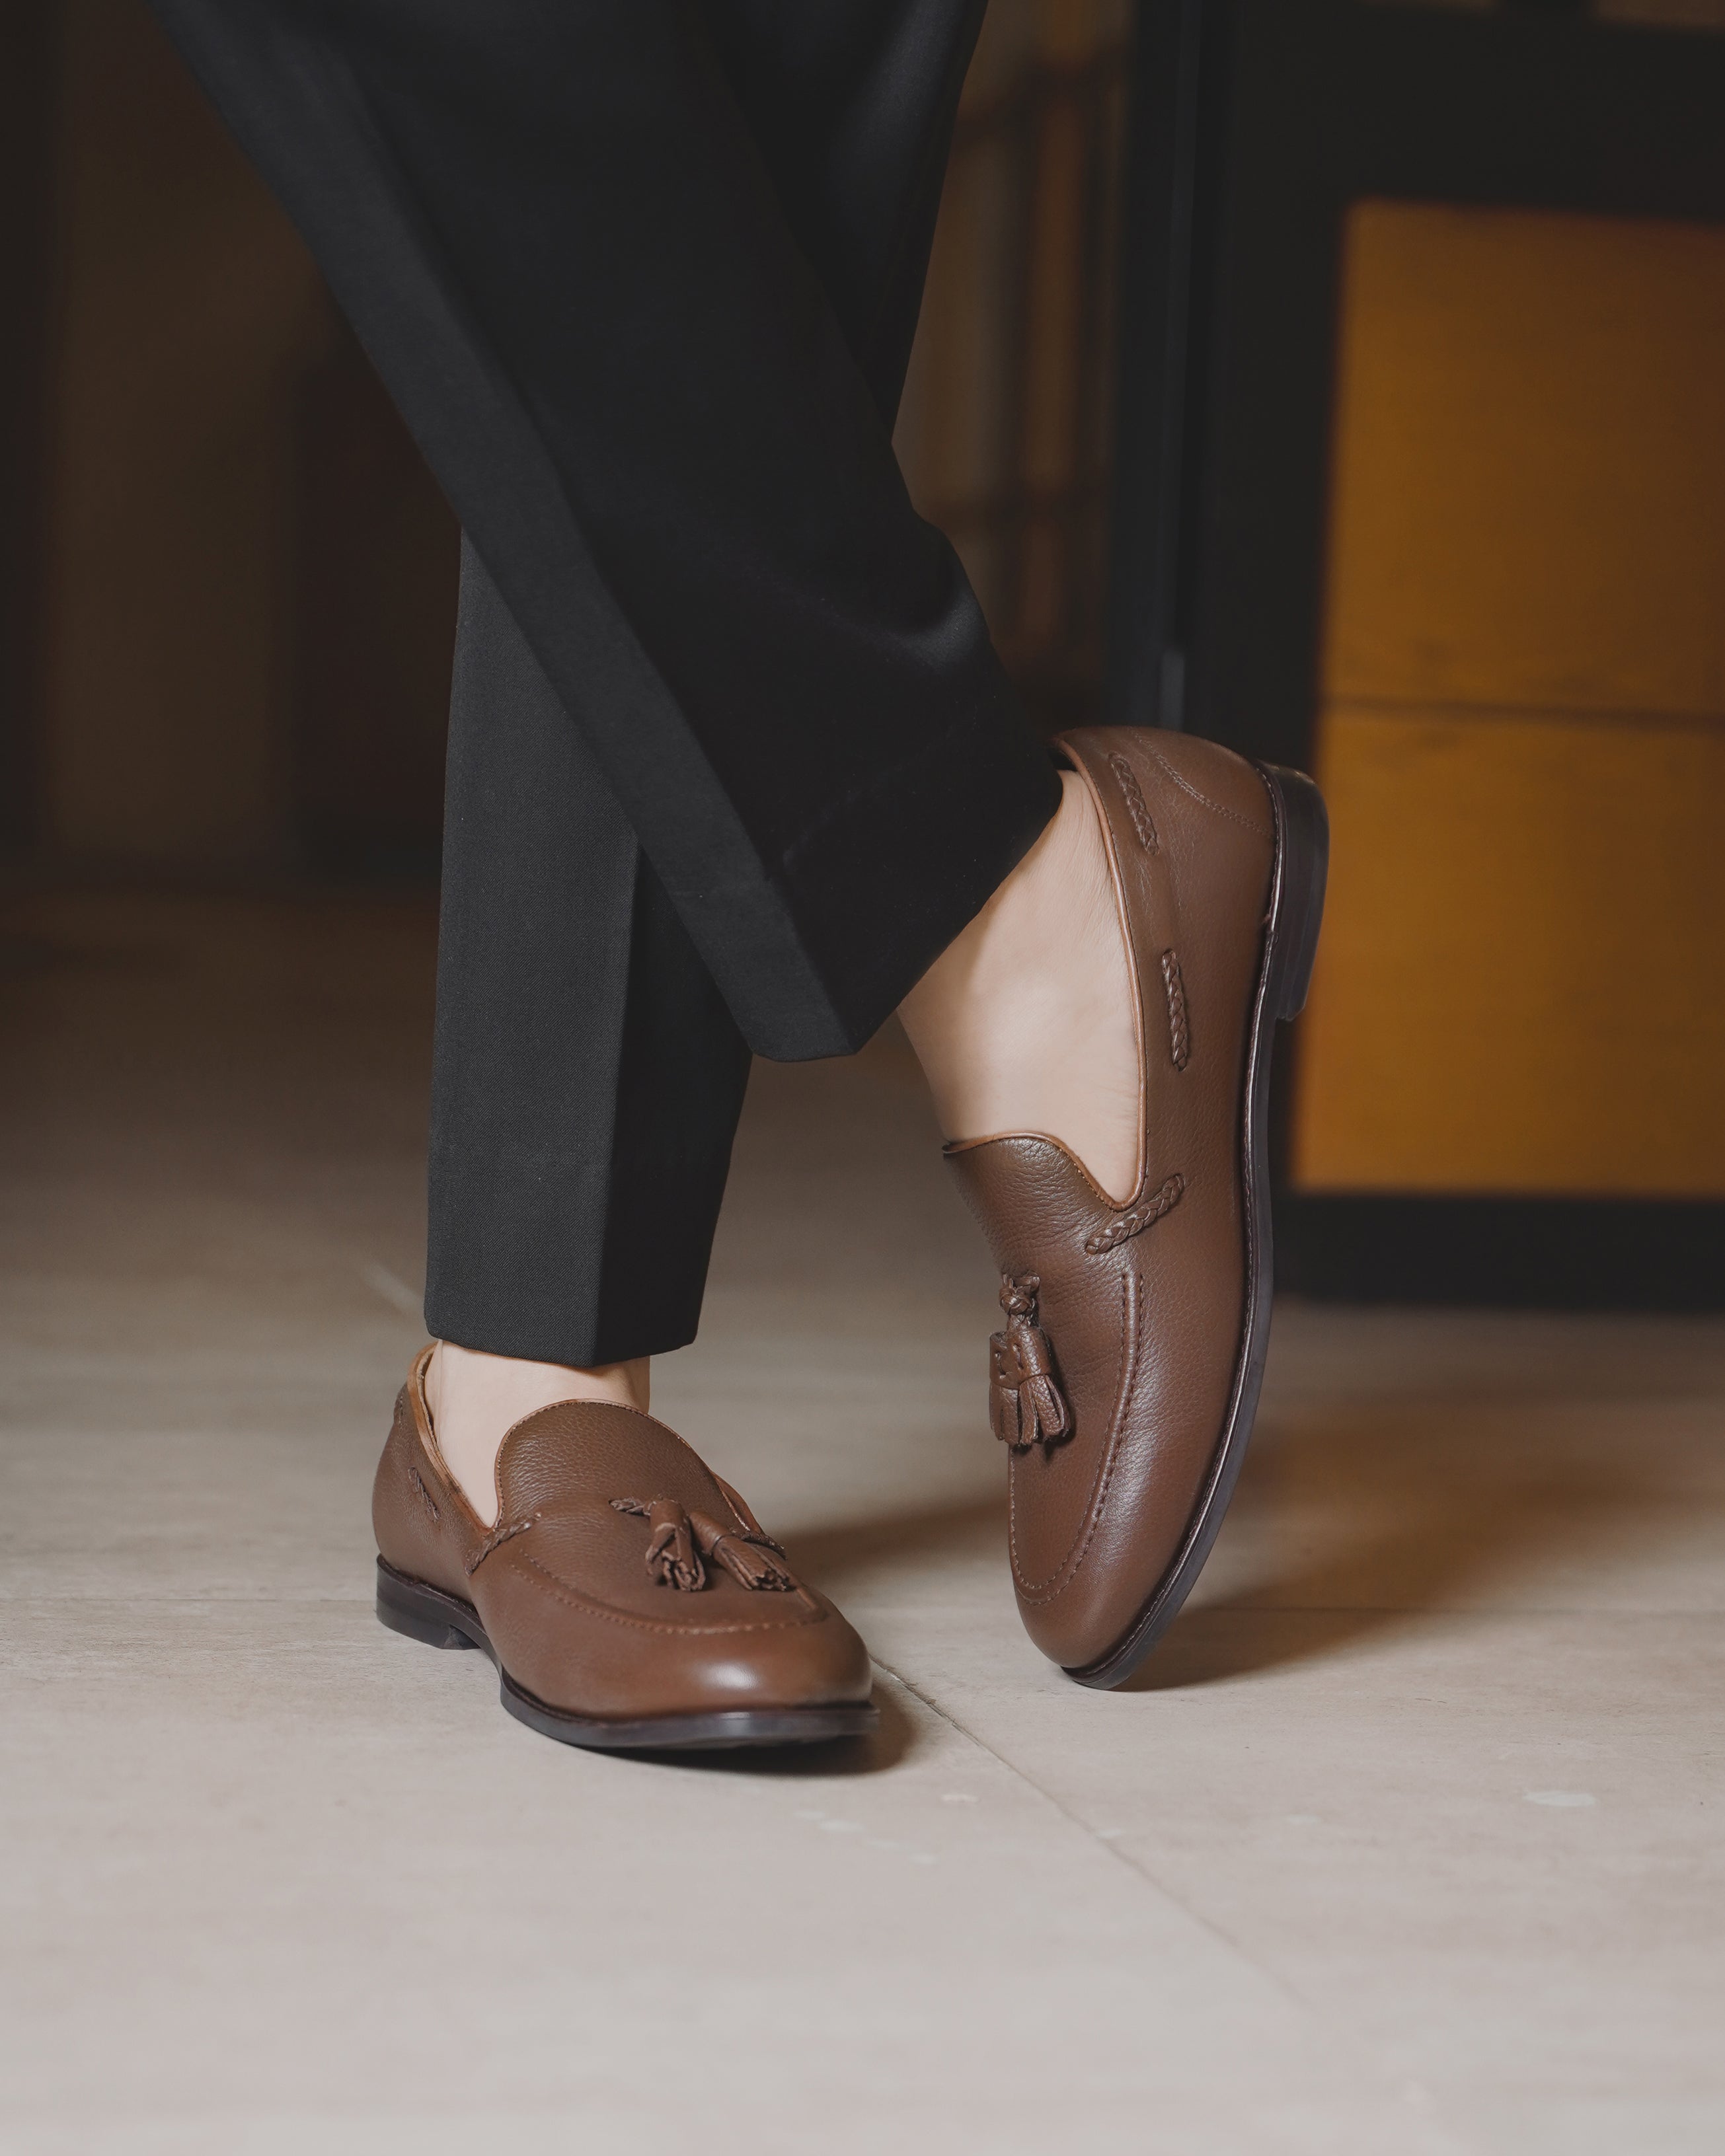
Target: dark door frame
1255,125
29,56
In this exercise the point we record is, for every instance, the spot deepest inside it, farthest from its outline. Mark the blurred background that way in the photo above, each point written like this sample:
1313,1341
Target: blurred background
1346,381
1343,380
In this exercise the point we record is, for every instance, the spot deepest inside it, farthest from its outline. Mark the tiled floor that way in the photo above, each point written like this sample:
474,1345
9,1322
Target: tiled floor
1409,1839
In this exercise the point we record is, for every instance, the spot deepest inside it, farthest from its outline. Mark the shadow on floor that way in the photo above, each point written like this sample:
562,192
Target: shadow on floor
1362,1522
964,1527
1372,1523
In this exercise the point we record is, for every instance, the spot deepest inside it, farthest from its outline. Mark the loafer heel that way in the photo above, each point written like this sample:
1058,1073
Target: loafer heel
419,1613
1297,901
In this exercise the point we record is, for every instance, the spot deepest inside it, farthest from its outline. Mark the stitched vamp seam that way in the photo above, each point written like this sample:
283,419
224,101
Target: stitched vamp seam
1216,807
521,1562
1038,1592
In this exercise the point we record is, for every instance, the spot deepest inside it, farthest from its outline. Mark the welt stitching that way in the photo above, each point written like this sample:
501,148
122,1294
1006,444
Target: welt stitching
1185,786
1128,1386
1179,1025
559,1590
1137,807
1044,1590
1125,1225
496,1539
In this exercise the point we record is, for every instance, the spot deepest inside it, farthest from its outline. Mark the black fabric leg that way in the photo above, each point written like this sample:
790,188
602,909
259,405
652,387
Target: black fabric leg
554,228
588,1076
644,278
850,105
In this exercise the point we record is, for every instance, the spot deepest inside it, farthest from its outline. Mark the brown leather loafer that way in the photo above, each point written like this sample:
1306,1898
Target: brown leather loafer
1127,1375
627,1595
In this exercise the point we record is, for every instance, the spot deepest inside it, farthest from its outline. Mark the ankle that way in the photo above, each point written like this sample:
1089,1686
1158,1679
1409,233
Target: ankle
474,1399
1026,1022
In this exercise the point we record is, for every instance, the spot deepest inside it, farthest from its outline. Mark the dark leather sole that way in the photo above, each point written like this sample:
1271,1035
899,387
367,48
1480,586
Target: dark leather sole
425,1613
1290,944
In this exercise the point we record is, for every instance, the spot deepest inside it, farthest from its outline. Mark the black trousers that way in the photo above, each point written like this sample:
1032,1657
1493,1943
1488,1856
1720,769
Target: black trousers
732,759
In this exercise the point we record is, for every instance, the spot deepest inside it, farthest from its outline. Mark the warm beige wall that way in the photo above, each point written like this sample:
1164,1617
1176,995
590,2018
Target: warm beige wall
187,313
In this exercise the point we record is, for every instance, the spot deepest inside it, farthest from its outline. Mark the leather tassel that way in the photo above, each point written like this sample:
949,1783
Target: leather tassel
672,1558
1024,1401
753,1530
748,1560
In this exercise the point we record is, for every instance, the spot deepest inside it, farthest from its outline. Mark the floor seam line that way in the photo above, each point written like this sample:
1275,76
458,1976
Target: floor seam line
1351,2040
1138,1871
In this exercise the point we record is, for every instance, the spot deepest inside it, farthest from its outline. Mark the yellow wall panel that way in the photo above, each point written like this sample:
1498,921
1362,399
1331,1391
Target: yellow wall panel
1521,986
1530,495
